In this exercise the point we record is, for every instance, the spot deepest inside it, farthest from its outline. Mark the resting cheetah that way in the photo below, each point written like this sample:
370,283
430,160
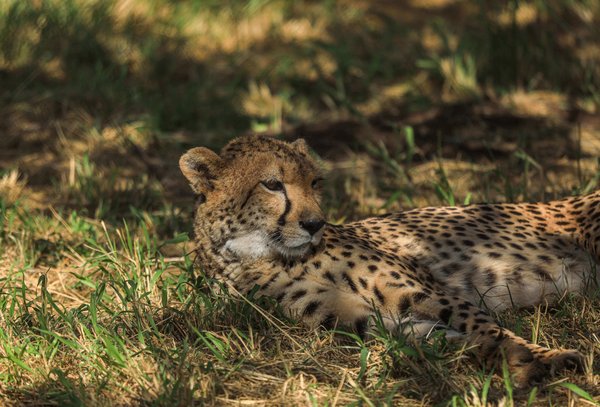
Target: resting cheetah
258,222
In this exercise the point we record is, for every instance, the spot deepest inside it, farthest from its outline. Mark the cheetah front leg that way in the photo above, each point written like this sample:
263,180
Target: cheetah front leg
527,362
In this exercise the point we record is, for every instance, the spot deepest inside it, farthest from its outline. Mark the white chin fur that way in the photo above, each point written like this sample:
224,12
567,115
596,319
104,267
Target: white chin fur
254,244
257,244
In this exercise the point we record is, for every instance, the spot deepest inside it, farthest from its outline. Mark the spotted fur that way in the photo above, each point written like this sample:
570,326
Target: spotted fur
420,269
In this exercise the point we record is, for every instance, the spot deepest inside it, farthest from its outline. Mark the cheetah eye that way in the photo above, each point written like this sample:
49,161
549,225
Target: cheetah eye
316,183
273,185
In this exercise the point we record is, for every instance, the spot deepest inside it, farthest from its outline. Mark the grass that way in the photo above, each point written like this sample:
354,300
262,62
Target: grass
431,103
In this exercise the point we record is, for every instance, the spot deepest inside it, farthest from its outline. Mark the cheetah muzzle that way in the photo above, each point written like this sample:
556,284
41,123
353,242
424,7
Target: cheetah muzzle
258,222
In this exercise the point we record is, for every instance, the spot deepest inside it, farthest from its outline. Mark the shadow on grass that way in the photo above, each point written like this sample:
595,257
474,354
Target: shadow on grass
127,91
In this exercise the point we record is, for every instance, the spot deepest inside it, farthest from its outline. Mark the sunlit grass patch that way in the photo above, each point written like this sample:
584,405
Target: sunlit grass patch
12,187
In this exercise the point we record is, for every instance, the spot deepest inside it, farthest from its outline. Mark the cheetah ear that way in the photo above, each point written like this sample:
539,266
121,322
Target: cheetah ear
300,146
201,167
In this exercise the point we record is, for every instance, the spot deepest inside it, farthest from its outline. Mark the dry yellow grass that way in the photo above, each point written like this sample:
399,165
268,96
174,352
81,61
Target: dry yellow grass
98,100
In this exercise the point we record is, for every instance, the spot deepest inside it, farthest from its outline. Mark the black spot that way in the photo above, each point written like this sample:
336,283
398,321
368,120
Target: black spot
360,325
544,258
350,282
379,295
329,322
298,294
542,273
490,277
445,315
372,268
311,308
451,268
519,256
419,297
404,304
363,282
329,277
268,283
516,246
200,199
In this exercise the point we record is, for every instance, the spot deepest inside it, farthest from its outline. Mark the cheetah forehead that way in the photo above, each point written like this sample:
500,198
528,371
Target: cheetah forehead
249,150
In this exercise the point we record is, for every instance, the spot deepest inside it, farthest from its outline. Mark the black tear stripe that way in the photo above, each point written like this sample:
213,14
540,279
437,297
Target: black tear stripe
288,206
247,198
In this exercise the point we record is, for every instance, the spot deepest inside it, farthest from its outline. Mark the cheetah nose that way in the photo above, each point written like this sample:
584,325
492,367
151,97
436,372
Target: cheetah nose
312,226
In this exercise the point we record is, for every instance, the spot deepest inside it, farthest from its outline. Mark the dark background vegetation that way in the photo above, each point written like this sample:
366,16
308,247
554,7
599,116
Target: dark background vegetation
407,103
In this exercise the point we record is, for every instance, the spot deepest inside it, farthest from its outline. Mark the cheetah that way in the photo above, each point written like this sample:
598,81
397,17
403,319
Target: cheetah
258,225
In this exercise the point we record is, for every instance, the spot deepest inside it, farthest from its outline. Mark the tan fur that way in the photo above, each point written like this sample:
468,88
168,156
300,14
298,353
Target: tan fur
418,269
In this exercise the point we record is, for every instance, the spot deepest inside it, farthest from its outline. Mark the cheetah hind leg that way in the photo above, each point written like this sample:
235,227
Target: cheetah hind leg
558,360
525,368
528,363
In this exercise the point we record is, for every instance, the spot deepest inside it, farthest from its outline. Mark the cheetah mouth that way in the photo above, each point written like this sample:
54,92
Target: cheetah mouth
292,251
292,248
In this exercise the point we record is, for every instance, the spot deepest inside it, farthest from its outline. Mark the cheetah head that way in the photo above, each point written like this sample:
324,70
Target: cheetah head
258,198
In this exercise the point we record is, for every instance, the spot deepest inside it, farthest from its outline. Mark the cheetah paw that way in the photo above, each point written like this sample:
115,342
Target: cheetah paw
561,360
